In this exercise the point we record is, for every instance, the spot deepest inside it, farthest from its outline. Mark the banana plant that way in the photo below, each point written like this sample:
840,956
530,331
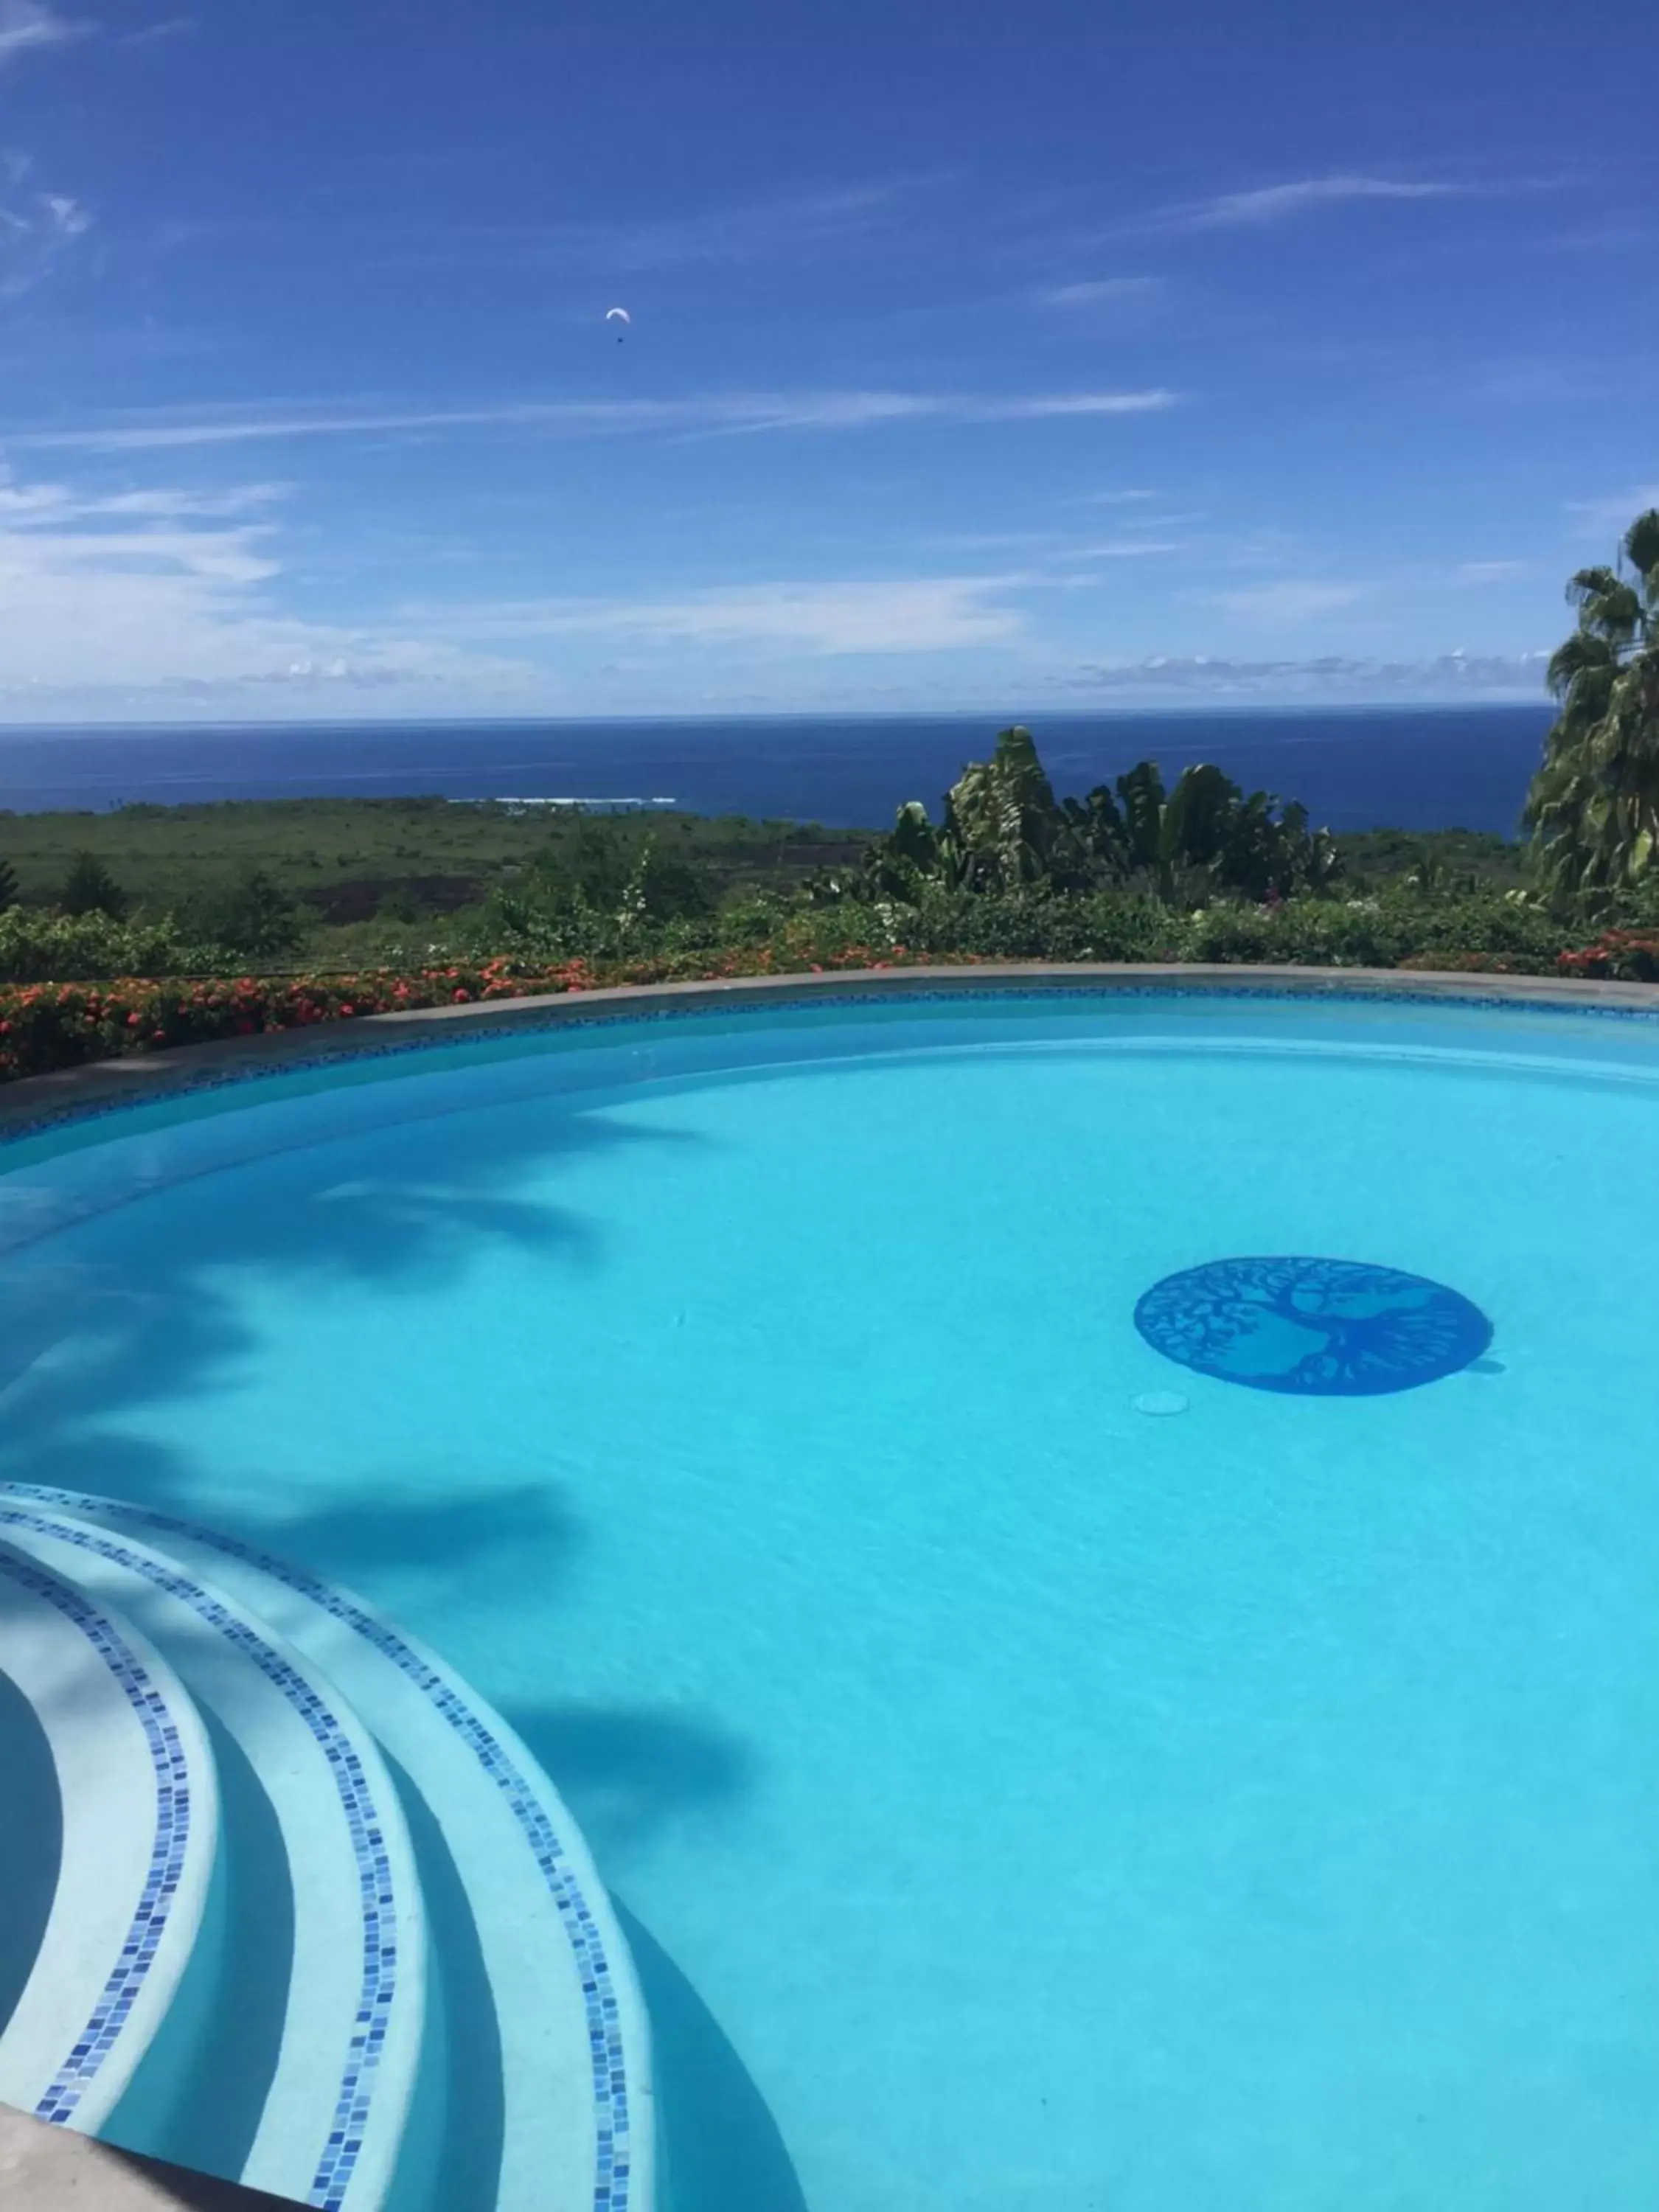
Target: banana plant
1004,829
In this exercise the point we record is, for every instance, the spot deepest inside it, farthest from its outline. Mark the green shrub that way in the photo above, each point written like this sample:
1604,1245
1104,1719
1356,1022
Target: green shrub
71,1017
89,888
37,947
1383,931
250,915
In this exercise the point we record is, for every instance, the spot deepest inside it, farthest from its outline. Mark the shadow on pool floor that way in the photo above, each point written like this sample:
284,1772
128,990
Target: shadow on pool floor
721,2148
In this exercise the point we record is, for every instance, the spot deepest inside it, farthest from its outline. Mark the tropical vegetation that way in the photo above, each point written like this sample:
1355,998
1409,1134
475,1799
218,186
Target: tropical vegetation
1594,805
229,920
1004,830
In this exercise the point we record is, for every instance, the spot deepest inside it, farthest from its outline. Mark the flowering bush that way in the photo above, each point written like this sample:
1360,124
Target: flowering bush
1628,955
51,1025
48,1025
61,1023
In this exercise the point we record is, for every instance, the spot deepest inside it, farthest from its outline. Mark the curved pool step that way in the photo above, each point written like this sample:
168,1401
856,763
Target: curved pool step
579,2132
334,2112
138,1806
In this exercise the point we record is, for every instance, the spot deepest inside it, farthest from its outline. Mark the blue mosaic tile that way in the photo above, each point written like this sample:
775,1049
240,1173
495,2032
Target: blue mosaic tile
1313,1328
338,2161
613,2139
166,1859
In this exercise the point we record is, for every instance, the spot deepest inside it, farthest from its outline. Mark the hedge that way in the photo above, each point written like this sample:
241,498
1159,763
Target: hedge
45,1026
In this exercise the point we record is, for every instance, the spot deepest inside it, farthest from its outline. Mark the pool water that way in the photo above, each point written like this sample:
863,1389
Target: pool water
1017,1800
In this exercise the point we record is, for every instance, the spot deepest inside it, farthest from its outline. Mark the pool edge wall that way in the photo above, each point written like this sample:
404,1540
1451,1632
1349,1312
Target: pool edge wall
136,1080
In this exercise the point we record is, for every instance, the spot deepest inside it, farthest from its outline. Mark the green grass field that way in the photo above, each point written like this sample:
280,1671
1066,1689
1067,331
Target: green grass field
348,859
368,873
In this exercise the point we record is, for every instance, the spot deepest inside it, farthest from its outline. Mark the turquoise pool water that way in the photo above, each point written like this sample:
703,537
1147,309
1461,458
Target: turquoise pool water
1019,1798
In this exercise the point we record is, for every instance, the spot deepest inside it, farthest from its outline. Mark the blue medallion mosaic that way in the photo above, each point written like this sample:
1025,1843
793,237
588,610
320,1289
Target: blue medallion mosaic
1316,1328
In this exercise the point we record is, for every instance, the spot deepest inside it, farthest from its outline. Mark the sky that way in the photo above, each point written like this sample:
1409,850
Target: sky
1039,356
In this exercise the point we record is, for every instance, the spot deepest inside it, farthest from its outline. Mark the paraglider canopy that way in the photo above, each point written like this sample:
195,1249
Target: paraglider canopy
618,315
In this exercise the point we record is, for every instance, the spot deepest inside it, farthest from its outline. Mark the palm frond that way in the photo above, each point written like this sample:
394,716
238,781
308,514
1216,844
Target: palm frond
1642,551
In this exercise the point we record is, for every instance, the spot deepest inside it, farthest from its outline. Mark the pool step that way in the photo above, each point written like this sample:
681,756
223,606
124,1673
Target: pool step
135,1794
331,2114
530,2013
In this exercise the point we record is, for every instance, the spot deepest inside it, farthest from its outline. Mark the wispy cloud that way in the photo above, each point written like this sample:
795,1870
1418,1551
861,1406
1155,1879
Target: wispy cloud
24,507
1612,515
1269,203
1487,572
1266,204
1053,550
754,412
930,614
1101,291
1291,601
152,34
1075,403
1446,677
1115,498
157,592
37,229
1126,549
26,25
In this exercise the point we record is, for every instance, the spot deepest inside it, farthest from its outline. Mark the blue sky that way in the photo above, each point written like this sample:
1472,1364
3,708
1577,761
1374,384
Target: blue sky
1055,356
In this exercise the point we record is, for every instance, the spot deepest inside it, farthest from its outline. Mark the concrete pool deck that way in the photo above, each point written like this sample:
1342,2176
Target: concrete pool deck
102,1084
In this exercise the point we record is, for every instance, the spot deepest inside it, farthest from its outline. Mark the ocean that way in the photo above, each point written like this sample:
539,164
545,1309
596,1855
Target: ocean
1354,769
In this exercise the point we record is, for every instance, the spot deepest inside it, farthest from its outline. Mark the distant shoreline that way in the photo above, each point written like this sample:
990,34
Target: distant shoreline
1440,767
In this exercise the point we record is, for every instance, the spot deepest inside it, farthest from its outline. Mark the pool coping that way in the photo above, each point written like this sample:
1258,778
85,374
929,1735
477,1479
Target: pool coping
100,1085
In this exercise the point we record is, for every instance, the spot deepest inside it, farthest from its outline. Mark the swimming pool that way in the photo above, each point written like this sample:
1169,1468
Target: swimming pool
1086,1563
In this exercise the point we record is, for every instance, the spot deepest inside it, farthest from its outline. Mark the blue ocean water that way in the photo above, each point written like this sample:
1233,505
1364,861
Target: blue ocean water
1016,1802
1419,769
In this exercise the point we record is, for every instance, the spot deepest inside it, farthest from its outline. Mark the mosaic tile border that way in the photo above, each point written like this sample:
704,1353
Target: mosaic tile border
614,2157
338,2161
127,1977
795,997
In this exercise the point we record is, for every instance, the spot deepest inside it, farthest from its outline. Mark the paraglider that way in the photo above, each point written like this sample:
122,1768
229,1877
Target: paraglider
619,315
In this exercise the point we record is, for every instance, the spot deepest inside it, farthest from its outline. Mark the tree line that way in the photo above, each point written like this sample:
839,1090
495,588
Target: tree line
1592,813
1592,809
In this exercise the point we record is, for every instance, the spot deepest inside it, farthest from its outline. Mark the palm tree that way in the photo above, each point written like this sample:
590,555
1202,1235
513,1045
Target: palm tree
1594,805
